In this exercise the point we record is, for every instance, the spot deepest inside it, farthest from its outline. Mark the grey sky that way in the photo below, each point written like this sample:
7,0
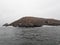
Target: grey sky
11,10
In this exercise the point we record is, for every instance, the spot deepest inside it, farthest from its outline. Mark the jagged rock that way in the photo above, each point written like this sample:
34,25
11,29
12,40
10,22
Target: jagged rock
33,22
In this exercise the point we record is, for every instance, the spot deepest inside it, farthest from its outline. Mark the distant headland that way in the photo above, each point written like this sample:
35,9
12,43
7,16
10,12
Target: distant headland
33,22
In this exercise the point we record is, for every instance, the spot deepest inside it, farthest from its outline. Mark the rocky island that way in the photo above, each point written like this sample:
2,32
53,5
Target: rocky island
33,22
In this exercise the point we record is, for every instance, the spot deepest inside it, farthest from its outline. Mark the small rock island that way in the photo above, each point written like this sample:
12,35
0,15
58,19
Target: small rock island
33,22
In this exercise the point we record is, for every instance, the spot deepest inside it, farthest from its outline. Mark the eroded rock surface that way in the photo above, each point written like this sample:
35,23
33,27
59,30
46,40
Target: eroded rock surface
33,22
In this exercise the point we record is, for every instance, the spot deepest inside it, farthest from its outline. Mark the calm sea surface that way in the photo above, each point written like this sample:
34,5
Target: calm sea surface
30,36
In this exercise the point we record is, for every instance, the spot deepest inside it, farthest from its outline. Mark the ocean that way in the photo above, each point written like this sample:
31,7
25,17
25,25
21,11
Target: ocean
30,36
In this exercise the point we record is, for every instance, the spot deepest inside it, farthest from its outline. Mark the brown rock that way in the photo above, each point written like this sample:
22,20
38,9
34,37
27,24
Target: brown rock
33,22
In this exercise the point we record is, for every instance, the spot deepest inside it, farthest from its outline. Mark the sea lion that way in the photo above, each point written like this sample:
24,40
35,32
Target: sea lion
33,22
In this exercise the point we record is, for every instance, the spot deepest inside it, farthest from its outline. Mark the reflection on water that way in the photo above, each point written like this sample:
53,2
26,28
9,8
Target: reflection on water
30,36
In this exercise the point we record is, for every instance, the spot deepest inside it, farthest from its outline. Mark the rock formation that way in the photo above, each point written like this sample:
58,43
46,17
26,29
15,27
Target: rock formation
33,22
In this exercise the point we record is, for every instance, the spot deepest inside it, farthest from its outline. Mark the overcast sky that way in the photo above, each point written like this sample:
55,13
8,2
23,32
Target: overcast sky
11,10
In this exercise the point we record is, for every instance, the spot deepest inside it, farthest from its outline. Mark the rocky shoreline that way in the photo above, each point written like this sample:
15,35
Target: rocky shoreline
33,22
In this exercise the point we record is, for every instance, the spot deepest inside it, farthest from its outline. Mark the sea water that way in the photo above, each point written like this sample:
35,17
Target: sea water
30,36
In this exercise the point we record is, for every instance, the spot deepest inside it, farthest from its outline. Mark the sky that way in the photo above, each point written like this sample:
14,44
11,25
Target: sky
11,10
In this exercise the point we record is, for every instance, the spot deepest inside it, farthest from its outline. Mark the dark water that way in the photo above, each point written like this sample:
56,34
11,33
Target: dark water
30,36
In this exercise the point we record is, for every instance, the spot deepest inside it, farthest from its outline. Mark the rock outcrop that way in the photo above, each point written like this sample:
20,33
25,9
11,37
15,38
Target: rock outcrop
33,22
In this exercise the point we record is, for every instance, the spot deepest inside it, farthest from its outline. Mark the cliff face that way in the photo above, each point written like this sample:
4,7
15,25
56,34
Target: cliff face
34,22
